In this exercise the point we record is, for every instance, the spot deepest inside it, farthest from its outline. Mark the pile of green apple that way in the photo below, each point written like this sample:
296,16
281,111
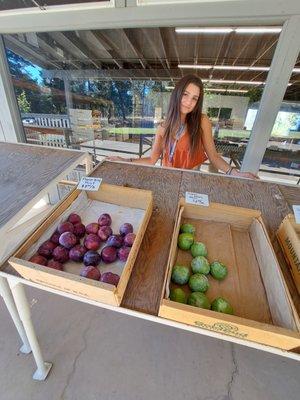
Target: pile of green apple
197,280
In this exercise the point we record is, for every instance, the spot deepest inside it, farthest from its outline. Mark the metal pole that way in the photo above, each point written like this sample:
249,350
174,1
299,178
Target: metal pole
23,308
283,62
10,117
68,95
10,304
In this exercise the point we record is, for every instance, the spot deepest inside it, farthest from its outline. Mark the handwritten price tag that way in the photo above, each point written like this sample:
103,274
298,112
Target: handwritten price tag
297,213
88,183
196,198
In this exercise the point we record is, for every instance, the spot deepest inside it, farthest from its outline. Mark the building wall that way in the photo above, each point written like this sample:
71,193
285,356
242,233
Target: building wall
239,105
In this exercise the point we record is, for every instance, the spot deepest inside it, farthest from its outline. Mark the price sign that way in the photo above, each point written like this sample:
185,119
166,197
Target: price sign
88,183
297,213
196,198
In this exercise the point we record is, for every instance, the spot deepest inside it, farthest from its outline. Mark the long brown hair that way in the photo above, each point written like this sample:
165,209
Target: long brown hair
193,119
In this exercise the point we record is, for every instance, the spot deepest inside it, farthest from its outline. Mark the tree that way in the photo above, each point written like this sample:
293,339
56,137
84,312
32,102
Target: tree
24,105
54,102
147,95
254,94
27,79
121,95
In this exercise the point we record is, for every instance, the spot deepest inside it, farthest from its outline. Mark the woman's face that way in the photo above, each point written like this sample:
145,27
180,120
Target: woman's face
189,98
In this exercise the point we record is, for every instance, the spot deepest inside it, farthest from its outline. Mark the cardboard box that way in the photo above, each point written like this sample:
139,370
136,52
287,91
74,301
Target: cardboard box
121,202
263,309
288,236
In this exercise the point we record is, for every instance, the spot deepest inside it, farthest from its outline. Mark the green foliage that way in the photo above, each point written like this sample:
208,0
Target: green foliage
283,123
53,102
254,94
116,96
32,93
121,95
24,105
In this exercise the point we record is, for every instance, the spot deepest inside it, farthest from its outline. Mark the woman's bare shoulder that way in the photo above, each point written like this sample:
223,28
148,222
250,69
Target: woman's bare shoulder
161,128
205,117
205,121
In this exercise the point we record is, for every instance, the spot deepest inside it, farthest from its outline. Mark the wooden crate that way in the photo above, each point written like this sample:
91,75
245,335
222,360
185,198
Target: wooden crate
255,287
289,238
73,283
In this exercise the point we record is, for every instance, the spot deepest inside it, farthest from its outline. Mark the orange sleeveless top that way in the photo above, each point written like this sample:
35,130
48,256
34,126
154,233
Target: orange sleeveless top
181,157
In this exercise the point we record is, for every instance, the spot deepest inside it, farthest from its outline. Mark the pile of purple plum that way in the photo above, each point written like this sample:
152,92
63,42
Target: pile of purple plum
76,242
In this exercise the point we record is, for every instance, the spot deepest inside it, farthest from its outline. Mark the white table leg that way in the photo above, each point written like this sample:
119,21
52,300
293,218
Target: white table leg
23,308
10,304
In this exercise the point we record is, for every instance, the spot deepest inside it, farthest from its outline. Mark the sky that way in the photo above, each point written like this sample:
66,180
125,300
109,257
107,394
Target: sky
31,69
35,72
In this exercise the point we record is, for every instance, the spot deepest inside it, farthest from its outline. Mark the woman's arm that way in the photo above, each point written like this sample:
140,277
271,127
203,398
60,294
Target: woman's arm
214,158
156,151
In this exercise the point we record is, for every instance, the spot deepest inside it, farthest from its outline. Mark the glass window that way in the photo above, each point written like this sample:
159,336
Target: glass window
107,90
282,156
225,113
213,112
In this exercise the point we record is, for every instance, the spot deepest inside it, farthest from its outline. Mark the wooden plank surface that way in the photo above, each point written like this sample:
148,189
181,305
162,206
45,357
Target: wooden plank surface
145,285
267,197
263,196
25,171
243,287
291,194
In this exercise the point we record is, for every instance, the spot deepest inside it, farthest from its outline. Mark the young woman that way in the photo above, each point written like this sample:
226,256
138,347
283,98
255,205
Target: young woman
184,139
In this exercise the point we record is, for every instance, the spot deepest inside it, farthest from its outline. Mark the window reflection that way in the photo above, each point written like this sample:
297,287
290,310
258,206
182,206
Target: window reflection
108,89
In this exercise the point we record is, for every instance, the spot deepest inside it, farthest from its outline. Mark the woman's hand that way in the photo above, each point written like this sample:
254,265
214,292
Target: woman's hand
248,175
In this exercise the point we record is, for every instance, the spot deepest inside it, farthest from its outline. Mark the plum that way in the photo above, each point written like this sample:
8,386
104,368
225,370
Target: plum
60,254
123,253
55,265
38,259
126,228
92,242
104,220
104,232
74,218
93,227
115,241
46,249
90,272
68,239
54,237
79,230
77,252
109,254
129,239
109,277
91,258
65,227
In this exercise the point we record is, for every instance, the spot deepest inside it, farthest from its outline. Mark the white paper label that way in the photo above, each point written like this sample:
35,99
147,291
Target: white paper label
88,183
196,198
297,213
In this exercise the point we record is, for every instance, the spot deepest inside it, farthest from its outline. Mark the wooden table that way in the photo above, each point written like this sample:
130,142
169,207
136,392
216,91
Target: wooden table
145,285
26,174
144,289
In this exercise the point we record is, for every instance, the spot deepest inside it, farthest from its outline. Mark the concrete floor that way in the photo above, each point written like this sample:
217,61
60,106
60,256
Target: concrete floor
103,355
